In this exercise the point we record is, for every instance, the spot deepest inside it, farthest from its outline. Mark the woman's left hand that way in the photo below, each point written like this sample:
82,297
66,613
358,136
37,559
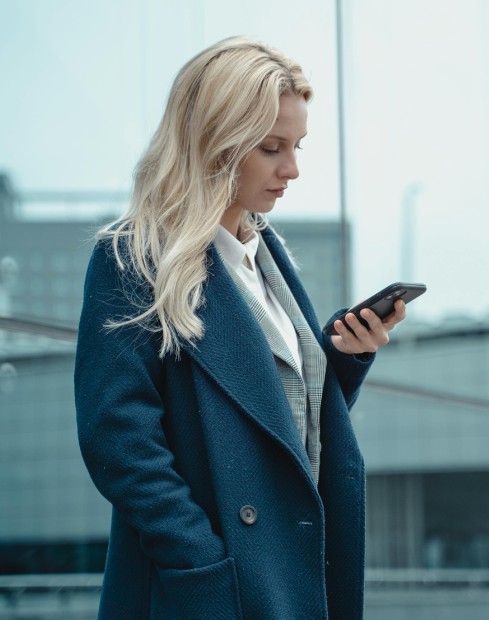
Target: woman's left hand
364,340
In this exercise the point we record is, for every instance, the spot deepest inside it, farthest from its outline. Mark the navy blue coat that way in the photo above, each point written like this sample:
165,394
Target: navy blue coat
180,446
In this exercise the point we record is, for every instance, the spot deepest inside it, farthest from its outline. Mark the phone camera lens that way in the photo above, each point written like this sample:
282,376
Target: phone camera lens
399,293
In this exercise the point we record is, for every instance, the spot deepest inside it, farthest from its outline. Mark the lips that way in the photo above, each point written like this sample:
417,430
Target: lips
279,192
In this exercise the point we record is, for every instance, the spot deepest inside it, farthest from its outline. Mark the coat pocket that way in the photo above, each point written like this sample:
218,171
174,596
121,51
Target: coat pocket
207,593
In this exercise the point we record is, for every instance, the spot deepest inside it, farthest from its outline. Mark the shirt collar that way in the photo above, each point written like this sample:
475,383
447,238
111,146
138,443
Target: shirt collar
233,251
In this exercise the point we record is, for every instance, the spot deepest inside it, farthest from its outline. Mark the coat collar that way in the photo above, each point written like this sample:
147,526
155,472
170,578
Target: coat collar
288,271
235,353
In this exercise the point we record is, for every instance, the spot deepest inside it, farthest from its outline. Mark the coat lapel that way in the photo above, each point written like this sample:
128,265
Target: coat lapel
235,354
274,337
314,359
287,270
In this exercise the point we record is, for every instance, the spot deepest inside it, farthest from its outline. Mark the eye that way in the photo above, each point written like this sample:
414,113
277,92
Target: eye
298,147
269,151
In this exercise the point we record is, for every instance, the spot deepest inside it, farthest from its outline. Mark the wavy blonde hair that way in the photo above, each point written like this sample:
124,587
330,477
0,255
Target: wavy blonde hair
223,103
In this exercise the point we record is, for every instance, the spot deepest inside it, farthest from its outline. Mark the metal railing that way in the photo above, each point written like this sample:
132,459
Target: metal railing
50,597
76,596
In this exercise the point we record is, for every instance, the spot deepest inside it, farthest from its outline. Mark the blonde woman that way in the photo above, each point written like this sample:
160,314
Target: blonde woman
212,411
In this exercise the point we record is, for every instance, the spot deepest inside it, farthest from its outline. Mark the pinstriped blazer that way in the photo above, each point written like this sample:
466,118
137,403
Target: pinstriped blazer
303,387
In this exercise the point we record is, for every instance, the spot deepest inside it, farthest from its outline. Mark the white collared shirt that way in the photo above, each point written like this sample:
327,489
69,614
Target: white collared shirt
236,255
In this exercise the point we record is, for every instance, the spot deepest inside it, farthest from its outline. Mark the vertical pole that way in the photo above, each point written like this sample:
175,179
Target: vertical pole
408,232
344,245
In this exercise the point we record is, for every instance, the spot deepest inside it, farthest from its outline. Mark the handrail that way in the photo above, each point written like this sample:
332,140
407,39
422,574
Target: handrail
37,328
428,577
73,582
419,577
426,393
70,334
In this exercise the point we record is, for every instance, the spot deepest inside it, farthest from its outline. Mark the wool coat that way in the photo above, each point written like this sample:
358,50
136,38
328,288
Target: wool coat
216,515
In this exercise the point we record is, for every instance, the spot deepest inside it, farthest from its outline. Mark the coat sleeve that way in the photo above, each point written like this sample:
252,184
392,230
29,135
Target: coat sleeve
350,370
119,413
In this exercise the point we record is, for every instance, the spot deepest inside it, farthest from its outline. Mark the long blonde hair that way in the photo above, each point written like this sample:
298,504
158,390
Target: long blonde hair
223,103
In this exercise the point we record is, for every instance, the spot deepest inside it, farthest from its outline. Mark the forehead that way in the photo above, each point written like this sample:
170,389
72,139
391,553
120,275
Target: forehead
291,121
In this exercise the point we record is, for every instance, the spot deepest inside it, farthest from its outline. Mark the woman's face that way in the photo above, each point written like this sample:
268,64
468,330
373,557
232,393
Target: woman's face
266,172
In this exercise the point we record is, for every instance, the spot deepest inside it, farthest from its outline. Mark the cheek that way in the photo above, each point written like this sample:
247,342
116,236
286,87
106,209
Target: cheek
256,174
261,173
250,179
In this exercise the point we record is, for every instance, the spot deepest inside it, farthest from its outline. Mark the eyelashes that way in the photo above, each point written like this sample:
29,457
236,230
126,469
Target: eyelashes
276,151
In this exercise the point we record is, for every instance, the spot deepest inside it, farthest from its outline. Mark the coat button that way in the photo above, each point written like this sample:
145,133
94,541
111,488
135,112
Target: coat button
248,515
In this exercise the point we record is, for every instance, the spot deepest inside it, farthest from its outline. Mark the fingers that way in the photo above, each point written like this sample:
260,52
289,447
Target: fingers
395,317
367,339
400,307
359,339
377,330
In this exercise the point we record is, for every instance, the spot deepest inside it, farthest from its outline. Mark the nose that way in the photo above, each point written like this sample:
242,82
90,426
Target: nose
289,169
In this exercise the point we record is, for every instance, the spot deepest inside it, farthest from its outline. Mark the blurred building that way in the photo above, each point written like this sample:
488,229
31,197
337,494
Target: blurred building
423,424
50,255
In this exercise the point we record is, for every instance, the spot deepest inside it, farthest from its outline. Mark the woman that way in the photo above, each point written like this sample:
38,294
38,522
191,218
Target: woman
212,412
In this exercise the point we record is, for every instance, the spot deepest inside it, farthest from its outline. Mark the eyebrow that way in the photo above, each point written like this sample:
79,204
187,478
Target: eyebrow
282,139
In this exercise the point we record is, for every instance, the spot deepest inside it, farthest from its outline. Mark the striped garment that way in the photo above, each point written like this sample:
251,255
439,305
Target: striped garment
303,390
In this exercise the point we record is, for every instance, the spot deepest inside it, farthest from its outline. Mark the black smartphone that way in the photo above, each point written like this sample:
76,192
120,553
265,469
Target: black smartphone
382,303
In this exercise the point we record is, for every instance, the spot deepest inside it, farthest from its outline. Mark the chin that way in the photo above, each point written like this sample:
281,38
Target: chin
264,208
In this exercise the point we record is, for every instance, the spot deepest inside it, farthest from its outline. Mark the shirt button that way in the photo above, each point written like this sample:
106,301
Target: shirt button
248,515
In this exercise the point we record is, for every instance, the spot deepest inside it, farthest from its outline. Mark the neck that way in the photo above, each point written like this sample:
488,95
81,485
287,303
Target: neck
231,220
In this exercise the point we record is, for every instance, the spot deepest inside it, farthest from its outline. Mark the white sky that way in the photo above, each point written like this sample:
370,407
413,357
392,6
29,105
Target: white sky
84,85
